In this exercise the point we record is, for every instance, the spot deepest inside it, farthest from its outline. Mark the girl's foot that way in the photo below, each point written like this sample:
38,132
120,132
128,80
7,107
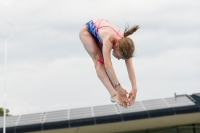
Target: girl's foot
114,99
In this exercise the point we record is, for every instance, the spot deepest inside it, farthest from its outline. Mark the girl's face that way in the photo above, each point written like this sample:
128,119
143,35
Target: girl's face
116,52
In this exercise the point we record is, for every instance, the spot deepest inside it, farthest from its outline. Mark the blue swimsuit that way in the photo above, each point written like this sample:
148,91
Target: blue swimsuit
94,30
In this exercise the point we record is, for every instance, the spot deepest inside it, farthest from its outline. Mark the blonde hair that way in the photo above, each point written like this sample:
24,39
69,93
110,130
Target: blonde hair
126,44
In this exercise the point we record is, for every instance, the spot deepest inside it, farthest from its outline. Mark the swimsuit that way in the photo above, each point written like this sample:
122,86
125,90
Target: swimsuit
94,30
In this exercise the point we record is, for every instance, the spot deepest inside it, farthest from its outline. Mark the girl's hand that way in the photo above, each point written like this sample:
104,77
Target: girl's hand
132,96
122,93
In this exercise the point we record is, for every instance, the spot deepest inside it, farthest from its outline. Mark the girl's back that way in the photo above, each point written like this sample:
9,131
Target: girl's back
108,27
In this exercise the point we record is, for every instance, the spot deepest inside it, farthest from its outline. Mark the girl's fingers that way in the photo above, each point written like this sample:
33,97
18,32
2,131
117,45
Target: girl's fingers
122,98
125,98
129,96
133,101
121,101
123,104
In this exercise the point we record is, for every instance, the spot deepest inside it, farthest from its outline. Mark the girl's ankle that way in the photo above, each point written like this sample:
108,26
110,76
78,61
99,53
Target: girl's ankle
113,95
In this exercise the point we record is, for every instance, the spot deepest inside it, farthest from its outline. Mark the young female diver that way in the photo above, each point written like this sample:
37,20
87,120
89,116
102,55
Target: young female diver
99,38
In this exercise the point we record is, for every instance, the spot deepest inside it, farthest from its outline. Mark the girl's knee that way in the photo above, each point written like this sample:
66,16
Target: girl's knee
99,63
98,59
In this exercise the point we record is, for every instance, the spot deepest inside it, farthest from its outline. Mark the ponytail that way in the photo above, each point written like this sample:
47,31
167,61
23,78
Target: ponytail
128,31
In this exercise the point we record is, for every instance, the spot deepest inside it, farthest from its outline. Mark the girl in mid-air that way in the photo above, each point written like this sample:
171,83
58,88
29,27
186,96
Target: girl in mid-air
100,37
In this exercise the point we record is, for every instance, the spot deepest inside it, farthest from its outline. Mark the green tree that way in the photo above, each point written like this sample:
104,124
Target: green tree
2,110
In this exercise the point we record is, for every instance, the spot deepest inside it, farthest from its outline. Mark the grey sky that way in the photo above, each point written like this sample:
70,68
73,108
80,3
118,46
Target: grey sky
48,68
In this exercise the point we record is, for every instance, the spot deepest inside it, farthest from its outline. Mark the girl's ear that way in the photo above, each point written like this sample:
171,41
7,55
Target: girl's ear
115,45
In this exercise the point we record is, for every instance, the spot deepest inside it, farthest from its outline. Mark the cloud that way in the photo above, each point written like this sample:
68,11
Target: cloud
64,81
176,70
56,25
72,82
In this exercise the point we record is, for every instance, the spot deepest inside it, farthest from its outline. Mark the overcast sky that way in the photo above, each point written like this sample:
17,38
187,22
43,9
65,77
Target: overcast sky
49,69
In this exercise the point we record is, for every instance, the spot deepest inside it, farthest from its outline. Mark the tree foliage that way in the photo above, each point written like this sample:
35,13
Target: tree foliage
2,112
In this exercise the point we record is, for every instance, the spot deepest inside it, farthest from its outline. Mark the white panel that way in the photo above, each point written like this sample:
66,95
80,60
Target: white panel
105,110
10,121
80,113
197,94
56,116
137,107
30,119
154,104
179,101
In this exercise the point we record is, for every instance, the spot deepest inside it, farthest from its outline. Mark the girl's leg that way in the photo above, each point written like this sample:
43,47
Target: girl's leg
91,47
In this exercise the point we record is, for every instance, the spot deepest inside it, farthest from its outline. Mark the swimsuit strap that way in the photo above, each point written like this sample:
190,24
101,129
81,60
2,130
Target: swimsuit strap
115,39
99,22
98,27
110,27
117,32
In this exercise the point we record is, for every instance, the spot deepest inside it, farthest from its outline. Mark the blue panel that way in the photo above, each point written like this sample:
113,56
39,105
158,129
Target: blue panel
56,125
108,119
187,109
8,130
161,112
82,122
29,128
197,98
135,116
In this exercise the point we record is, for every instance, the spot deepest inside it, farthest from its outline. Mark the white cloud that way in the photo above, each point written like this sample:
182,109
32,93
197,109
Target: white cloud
61,82
72,82
176,70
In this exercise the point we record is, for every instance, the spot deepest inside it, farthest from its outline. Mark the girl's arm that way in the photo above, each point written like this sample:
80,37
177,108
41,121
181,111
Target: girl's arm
131,73
107,47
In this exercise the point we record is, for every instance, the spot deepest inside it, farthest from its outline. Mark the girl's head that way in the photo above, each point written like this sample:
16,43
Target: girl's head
124,47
